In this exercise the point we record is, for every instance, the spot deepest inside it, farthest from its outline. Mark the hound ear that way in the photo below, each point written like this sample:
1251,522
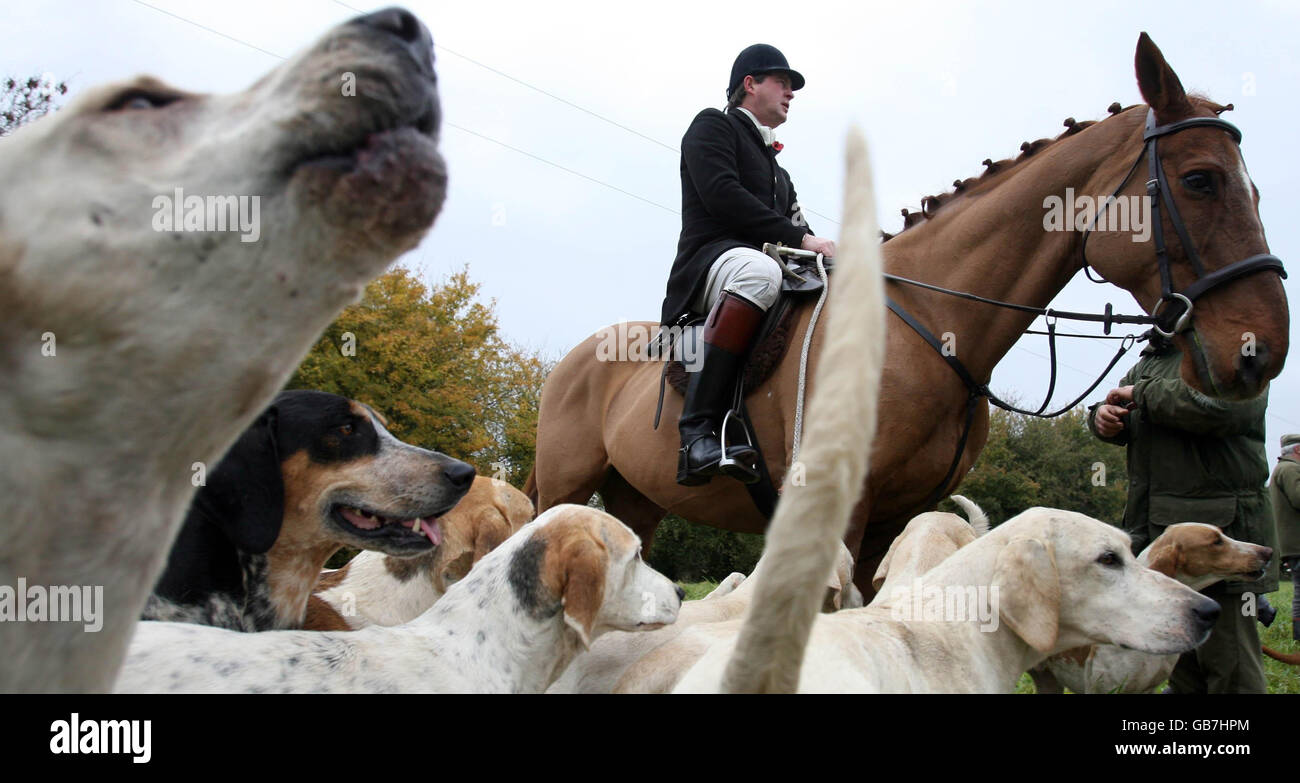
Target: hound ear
1166,559
453,570
244,495
584,586
492,527
1029,592
515,507
882,570
1159,84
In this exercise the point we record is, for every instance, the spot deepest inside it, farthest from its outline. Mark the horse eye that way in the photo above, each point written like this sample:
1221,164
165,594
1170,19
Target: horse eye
1199,181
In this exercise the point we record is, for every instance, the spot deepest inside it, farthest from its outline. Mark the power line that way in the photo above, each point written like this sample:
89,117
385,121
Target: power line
534,87
449,124
569,103
209,29
562,168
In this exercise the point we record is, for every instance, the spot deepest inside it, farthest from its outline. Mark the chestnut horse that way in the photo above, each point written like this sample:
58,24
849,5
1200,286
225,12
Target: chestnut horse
595,429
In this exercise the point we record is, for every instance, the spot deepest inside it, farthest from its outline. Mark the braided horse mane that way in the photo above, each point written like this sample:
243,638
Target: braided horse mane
995,171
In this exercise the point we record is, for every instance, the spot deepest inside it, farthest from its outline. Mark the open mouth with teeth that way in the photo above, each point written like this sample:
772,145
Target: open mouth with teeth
404,533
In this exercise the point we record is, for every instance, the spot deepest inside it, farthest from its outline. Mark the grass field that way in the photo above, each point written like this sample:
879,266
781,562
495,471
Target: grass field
1281,677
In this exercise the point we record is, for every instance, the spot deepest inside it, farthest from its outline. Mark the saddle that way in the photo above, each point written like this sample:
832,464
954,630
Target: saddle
774,336
801,282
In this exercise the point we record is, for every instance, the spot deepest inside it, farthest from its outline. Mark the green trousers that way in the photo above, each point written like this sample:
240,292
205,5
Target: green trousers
1230,660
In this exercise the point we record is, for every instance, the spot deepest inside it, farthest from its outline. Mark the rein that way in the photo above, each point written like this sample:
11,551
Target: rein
1175,318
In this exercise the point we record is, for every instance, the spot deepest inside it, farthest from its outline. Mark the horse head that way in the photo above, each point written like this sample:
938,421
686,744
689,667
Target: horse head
1234,336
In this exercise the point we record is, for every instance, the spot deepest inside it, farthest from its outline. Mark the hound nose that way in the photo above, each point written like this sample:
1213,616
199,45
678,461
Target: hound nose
459,474
403,25
1207,612
681,594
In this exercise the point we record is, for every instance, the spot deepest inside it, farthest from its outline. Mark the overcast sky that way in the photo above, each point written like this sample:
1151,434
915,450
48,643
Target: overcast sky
937,86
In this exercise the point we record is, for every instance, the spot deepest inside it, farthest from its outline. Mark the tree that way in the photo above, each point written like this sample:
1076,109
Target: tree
431,361
1046,462
22,101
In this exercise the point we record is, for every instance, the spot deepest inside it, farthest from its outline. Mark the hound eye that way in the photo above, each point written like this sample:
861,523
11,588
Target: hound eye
1109,559
1217,542
136,100
346,429
1199,182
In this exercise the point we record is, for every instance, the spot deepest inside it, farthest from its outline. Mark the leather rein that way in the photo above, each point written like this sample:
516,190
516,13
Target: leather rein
1165,320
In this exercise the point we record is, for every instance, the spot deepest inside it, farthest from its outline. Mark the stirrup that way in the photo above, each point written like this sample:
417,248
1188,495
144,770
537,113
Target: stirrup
746,474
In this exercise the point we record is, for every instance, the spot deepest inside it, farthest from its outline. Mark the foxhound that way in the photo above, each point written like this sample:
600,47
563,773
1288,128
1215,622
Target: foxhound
378,589
612,663
1044,580
314,472
137,348
510,626
927,540
1195,554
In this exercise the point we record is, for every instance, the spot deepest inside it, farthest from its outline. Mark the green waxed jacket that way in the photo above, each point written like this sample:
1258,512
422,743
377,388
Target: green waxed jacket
1284,491
1192,458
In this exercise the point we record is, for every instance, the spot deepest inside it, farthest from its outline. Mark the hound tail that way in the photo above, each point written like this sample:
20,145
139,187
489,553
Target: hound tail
804,538
979,521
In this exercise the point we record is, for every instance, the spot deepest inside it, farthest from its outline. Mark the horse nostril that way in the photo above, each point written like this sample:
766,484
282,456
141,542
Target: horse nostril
1251,366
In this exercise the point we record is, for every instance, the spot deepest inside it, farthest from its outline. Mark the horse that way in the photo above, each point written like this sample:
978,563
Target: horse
595,424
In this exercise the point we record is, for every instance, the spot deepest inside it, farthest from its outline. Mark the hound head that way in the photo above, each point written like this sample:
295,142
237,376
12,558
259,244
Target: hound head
588,565
1067,580
349,482
216,235
1199,554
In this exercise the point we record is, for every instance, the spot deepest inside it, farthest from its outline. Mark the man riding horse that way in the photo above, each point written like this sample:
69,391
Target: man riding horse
734,199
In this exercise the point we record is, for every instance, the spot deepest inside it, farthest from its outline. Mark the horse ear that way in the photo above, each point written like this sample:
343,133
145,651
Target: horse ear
1159,84
244,495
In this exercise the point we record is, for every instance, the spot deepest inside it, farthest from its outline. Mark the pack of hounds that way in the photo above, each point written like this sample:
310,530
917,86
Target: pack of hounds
458,588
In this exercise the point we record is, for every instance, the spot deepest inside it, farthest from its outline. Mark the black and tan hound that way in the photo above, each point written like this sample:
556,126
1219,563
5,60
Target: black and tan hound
315,472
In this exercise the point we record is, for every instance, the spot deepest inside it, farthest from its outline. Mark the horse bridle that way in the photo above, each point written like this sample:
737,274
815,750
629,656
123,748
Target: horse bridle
1167,321
1170,320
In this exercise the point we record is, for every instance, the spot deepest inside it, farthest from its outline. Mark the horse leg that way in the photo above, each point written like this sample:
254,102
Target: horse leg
578,482
871,544
632,508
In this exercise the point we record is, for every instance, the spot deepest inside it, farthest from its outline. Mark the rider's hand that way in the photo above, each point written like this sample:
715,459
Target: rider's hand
818,245
1109,420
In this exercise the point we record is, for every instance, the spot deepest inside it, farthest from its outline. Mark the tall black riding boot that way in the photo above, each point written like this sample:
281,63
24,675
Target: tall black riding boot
727,333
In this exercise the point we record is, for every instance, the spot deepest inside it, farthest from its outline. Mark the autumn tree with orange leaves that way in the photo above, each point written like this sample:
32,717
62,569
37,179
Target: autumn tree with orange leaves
432,362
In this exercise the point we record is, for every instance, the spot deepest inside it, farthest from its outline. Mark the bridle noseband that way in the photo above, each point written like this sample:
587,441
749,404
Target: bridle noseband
1170,320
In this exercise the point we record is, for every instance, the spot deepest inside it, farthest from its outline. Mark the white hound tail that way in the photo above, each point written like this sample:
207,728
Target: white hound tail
811,519
979,521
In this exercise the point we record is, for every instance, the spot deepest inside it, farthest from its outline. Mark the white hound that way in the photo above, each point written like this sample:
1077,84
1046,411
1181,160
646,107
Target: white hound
166,260
511,626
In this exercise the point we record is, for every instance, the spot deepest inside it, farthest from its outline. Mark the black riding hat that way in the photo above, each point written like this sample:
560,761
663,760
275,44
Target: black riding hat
759,59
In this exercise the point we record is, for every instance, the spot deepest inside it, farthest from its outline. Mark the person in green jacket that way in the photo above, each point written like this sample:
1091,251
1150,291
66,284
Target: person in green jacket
1284,492
1193,458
